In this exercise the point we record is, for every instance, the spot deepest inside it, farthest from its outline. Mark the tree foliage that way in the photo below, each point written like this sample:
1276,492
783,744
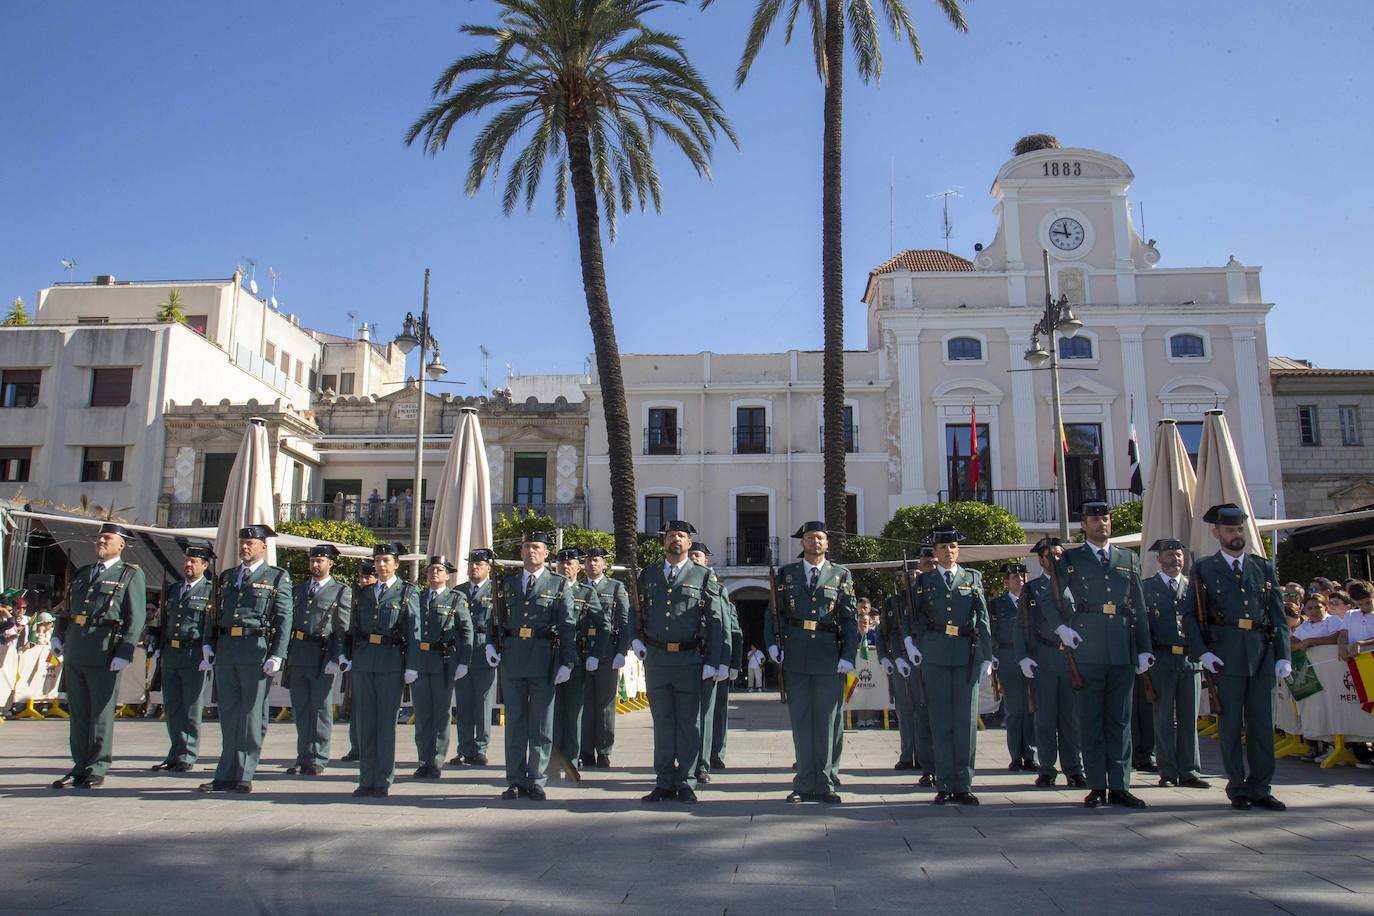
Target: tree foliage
978,522
510,530
17,314
173,309
335,532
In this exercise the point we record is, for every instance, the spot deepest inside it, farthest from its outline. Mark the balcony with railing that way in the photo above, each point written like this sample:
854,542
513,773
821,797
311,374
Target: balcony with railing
851,436
662,440
383,517
1034,507
751,440
751,551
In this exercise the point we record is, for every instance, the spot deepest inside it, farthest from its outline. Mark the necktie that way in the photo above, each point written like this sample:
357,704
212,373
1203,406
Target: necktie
672,574
815,574
529,584
1104,557
380,588
1235,566
310,592
1176,586
99,570
433,599
244,573
949,578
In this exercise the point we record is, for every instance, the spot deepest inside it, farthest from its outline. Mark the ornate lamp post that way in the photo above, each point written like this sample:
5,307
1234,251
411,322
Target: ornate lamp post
416,334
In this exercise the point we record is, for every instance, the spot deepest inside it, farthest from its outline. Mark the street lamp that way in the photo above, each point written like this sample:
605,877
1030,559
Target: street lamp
416,333
1058,317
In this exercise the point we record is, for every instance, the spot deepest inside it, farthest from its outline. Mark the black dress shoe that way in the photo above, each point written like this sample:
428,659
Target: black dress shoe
1166,782
1124,799
378,792
350,757
717,764
1044,781
64,782
243,788
795,798
1095,799
181,766
702,776
603,762
91,782
586,760
1077,782
964,798
904,765
1014,766
830,798
838,781
687,794
658,795
164,765
1029,765
1146,766
1192,782
926,781
478,760
1269,802
942,798
422,772
1240,803
312,769
457,760
214,786
511,794
293,771
361,792
536,793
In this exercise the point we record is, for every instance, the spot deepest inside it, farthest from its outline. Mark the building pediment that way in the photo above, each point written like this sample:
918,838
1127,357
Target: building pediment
966,391
1045,168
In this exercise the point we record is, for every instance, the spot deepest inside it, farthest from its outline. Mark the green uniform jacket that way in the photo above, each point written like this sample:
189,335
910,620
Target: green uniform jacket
1108,639
381,625
819,625
262,603
547,613
116,596
1227,601
736,634
181,624
479,611
1038,597
1005,617
593,623
1166,618
445,631
961,607
615,598
325,616
692,610
889,641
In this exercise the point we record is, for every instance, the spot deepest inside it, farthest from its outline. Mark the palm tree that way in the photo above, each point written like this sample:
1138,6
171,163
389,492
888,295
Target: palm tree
173,309
827,20
592,86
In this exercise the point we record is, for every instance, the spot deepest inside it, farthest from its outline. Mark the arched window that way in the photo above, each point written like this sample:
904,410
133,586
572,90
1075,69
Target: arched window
1187,346
965,348
1075,348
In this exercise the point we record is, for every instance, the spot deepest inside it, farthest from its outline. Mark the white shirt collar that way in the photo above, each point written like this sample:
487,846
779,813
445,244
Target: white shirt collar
113,561
807,565
526,576
1016,599
440,590
253,567
190,585
953,569
1171,580
1230,560
320,583
387,584
597,580
670,569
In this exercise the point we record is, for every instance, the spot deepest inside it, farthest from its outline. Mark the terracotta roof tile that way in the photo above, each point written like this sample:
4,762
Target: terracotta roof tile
920,260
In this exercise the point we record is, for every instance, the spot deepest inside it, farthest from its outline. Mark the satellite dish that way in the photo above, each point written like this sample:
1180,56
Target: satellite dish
273,302
253,287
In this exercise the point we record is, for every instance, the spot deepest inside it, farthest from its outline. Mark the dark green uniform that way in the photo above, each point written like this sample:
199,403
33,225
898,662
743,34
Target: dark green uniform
593,641
714,755
1176,679
951,619
177,640
385,636
475,695
320,620
445,643
819,629
539,637
680,625
1109,614
1005,617
913,720
103,620
253,623
1246,629
1056,723
598,721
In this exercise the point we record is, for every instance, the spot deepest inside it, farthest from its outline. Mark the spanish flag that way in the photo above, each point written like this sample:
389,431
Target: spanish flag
1362,674
850,682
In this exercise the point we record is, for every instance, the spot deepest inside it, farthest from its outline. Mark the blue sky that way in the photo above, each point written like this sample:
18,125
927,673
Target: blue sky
169,140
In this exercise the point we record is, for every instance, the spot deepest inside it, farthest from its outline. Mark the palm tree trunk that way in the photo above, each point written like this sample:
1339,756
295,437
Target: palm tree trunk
623,505
832,272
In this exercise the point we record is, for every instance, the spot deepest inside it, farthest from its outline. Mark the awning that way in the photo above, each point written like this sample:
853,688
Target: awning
1341,536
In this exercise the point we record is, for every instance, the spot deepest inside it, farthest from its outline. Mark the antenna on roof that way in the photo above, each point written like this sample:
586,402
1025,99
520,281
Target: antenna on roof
352,324
274,274
948,227
69,265
486,365
891,205
252,274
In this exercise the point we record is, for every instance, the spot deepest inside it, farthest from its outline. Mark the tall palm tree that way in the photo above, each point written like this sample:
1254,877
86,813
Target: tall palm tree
827,20
592,86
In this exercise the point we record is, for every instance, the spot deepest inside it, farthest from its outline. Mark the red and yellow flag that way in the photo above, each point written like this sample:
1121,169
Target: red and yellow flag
1362,673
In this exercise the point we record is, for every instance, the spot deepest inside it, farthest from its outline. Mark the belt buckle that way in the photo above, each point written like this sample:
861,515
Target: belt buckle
526,633
299,634
374,639
591,631
424,647
236,631
1245,623
1177,650
1109,609
674,647
808,625
951,630
79,620
175,643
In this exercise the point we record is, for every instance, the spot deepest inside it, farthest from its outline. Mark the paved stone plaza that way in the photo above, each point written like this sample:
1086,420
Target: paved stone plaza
146,843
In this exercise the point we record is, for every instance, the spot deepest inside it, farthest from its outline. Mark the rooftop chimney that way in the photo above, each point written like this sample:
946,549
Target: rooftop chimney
364,333
104,280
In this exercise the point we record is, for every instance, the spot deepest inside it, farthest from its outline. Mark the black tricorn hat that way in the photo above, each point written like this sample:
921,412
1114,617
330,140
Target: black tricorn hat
481,555
597,552
1045,543
1094,508
538,537
394,548
678,524
698,547
927,551
261,532
1225,514
367,568
945,534
1009,568
116,528
1164,544
328,551
199,551
444,562
571,553
808,527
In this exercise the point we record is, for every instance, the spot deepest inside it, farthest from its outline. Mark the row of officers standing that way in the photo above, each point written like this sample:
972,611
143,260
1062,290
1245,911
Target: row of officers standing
1069,647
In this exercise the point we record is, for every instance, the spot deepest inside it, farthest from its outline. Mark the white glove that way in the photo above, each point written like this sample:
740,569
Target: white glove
271,666
1144,662
331,667
460,672
593,663
707,672
722,673
1068,636
1028,668
775,654
887,666
996,663
493,657
903,667
345,665
561,675
207,653
984,670
618,662
56,645
734,673
639,650
118,664
156,653
205,666
1283,668
912,652
1211,662
411,676
845,666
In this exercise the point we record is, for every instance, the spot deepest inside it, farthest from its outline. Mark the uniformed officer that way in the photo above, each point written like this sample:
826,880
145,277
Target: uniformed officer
905,701
676,632
700,554
1176,677
537,630
593,647
475,694
445,654
954,650
1044,664
714,755
323,608
1243,642
384,638
1006,617
367,577
816,643
175,642
247,646
603,685
96,633
1109,632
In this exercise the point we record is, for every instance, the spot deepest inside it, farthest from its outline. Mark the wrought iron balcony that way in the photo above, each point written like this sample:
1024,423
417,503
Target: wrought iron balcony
751,551
1036,507
751,440
662,440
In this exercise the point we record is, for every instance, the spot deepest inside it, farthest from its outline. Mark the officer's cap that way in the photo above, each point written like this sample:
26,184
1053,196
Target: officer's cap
199,552
945,534
698,547
392,548
598,552
444,562
808,527
571,553
1225,514
678,524
261,532
1094,508
1009,568
927,551
1045,543
913,565
481,555
328,551
367,568
116,528
539,537
1164,544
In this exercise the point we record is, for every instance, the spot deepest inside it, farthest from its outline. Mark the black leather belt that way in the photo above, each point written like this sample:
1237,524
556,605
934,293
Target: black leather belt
304,635
694,643
84,620
530,633
1164,648
243,631
182,643
803,623
1110,609
378,639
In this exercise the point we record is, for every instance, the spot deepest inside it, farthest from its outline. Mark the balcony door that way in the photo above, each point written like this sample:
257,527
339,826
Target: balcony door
1084,467
751,531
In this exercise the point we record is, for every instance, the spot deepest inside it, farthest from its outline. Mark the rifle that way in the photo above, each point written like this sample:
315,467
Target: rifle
1075,676
632,586
155,642
1209,680
911,609
1028,622
500,614
775,612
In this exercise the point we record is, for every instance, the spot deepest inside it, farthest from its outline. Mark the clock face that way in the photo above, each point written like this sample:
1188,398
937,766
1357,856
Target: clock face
1066,233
